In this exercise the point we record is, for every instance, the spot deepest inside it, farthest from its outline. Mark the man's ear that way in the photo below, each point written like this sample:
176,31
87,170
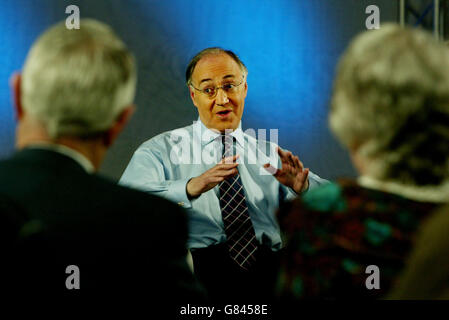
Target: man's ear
119,125
246,88
16,88
192,95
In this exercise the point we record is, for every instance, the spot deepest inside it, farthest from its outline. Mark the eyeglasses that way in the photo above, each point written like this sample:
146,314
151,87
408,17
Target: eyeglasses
229,87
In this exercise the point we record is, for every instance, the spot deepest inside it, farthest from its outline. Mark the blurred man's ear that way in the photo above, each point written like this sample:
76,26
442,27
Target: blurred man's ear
16,88
119,125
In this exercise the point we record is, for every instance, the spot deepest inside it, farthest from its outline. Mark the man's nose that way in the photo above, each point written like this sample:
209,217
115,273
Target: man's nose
222,97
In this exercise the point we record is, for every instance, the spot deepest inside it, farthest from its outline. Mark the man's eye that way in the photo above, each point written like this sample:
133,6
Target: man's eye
208,90
228,86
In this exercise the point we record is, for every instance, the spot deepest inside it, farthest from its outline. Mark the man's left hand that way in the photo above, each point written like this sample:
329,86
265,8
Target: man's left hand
292,174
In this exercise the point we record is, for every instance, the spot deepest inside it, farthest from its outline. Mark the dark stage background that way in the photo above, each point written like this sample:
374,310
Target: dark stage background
290,47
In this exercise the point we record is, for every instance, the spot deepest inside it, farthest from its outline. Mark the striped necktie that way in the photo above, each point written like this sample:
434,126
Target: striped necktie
241,238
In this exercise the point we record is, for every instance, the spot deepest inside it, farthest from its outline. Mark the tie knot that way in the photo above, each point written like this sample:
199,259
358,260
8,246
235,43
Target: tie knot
228,144
227,139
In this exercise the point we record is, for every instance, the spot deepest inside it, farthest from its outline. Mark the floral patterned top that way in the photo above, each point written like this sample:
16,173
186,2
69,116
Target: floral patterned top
333,233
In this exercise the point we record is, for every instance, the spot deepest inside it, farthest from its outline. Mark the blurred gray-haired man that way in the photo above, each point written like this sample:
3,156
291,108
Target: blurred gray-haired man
74,97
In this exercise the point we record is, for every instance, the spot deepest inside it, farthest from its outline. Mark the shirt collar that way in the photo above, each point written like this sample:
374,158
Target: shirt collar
212,135
69,152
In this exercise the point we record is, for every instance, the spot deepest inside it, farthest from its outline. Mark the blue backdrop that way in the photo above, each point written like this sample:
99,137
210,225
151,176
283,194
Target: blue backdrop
290,47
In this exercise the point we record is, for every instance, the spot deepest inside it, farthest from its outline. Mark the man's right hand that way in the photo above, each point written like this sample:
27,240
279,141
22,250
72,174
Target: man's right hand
226,168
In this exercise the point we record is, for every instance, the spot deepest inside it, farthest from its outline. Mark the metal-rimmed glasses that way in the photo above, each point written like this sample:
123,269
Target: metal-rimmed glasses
229,87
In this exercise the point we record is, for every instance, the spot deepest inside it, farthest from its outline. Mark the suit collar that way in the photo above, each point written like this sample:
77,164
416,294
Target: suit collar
69,152
39,157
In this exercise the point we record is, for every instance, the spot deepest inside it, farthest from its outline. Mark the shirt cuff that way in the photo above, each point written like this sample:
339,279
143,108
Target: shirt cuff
315,181
308,186
177,193
290,194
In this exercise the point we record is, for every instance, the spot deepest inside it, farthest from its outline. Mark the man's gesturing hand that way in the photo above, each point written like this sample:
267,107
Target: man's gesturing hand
292,174
226,168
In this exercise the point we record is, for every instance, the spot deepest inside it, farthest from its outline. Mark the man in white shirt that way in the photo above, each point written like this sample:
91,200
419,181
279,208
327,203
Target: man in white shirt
221,175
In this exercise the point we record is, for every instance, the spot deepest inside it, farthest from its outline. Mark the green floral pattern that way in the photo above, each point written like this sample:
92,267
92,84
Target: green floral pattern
334,232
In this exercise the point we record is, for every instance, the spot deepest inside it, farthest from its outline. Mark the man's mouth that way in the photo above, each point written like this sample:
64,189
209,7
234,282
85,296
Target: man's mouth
224,113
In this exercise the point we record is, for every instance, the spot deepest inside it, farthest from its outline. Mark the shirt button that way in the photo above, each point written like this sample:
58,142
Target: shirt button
180,204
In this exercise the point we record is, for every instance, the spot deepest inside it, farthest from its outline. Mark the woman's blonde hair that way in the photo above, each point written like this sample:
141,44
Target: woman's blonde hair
391,104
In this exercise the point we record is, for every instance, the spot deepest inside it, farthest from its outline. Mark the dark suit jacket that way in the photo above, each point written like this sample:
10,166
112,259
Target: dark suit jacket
123,241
